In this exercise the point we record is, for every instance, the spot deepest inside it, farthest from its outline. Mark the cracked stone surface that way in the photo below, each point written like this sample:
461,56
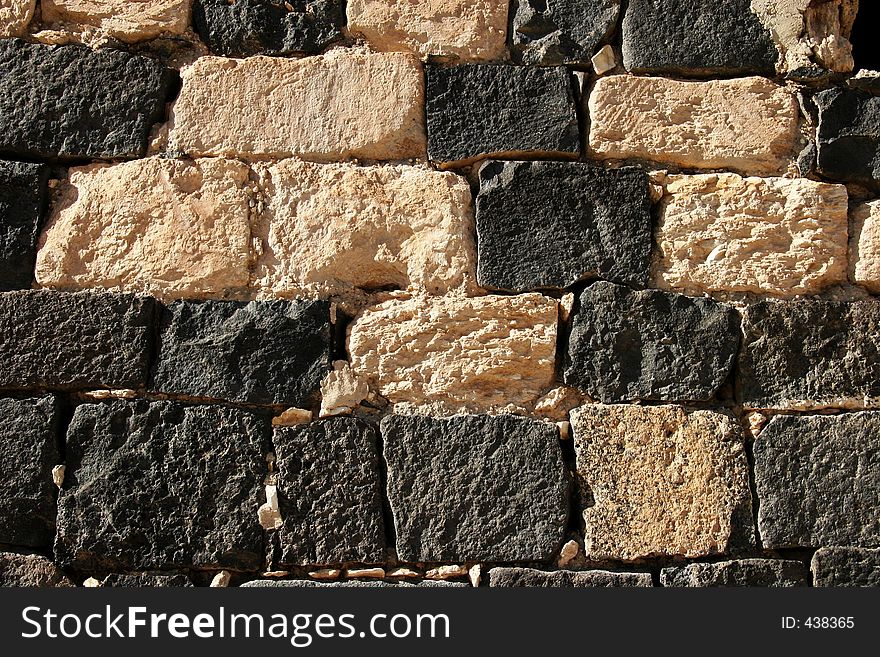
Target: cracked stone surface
838,566
848,136
530,577
743,572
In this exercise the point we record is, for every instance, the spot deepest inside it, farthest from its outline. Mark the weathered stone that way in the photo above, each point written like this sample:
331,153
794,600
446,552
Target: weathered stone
720,232
15,16
345,104
626,345
846,567
268,27
147,580
466,31
817,478
310,584
74,341
72,102
810,355
260,352
744,572
848,136
29,441
661,481
22,201
472,352
476,111
342,390
568,579
749,125
864,246
157,485
330,494
475,488
126,21
31,570
552,224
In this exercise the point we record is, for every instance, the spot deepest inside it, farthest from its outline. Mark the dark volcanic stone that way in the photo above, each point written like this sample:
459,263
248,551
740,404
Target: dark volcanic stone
696,37
478,110
22,200
268,27
551,224
147,580
29,570
475,488
849,136
71,102
74,341
846,567
812,353
560,32
818,480
260,352
529,577
356,584
744,572
156,485
29,442
627,345
329,492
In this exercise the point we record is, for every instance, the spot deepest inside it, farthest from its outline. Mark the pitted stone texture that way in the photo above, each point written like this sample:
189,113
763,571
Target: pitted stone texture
474,353
661,481
567,579
29,570
330,228
817,479
258,352
465,31
353,584
626,345
23,189
72,102
848,136
345,104
475,488
744,572
158,485
15,15
864,246
74,341
749,125
169,228
268,27
329,493
720,232
839,566
552,224
131,21
810,355
147,580
29,441
477,111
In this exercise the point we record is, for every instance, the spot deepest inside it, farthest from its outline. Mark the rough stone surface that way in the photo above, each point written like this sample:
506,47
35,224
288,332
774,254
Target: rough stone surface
22,201
29,441
260,352
626,345
810,354
720,232
864,246
161,485
345,104
552,224
749,125
131,21
30,570
15,16
661,481
268,27
72,102
169,228
744,572
310,584
475,488
846,567
568,579
817,478
329,493
475,353
476,111
74,341
465,31
147,580
848,136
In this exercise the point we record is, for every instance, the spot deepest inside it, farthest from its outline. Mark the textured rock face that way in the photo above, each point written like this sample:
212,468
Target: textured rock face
467,31
329,493
552,224
846,567
817,479
29,440
15,16
627,345
74,341
146,580
169,228
848,136
810,354
344,104
681,488
161,485
22,199
271,352
72,102
29,570
130,22
475,488
744,572
330,228
473,353
568,579
720,232
748,124
476,111
864,246
353,584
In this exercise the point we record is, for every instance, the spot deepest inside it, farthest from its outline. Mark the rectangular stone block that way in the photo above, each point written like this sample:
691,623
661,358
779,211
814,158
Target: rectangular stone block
130,22
23,188
743,572
350,584
566,579
839,566
15,15
29,570
146,580
720,232
864,246
848,136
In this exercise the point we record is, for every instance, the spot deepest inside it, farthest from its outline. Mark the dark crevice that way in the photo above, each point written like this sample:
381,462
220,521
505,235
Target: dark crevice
866,52
387,514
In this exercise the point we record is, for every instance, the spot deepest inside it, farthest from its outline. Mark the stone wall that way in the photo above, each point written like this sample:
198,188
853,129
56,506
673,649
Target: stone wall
508,293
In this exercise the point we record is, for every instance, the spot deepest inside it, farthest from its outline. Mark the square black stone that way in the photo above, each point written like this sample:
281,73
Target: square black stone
849,136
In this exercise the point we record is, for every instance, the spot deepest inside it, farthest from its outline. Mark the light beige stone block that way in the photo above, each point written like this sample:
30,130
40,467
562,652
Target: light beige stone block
129,21
15,15
865,246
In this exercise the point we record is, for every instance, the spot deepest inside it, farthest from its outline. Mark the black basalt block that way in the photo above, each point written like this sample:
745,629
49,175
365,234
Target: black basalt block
23,190
849,136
